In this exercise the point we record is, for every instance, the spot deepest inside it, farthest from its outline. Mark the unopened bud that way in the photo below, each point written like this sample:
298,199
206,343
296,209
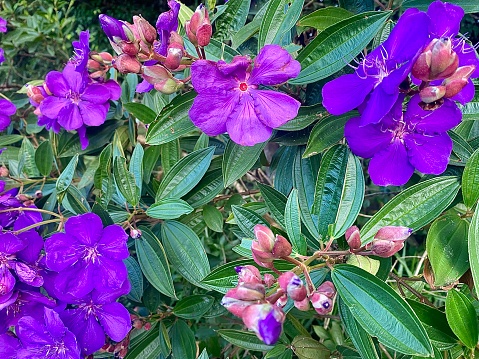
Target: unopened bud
267,247
38,194
248,274
168,86
302,305
93,65
146,31
444,60
147,326
174,54
137,324
422,66
432,93
457,81
327,288
353,237
175,38
269,279
115,30
35,93
127,64
129,47
4,172
321,303
135,233
389,240
292,285
199,28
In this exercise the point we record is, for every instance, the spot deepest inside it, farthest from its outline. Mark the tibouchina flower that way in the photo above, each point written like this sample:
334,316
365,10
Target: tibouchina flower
7,109
166,23
229,98
81,50
266,320
378,77
417,139
8,346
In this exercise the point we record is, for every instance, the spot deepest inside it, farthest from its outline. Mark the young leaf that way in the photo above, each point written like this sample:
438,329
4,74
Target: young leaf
292,218
414,207
125,181
213,218
193,306
26,159
243,339
169,208
66,176
470,180
306,347
462,317
44,158
381,311
238,160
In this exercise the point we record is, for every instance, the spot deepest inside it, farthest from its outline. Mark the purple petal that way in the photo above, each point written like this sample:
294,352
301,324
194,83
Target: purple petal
346,93
2,55
429,154
467,55
96,93
244,126
439,120
207,78
54,324
61,251
114,88
378,105
106,297
445,19
32,333
4,122
3,25
466,95
89,333
34,246
113,242
111,274
51,106
76,80
8,346
57,84
77,280
273,66
28,274
83,137
144,86
212,119
391,166
7,108
70,117
92,114
7,282
115,319
365,141
275,108
269,329
87,228
10,244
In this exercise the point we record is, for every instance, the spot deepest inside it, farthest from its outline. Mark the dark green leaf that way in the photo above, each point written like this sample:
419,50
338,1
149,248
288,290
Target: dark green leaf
136,279
470,180
26,159
147,348
275,201
136,165
232,19
246,219
210,185
473,243
75,202
150,158
337,45
308,348
44,158
324,18
292,219
238,160
414,207
183,342
213,218
306,116
170,155
381,311
462,318
141,112
125,181
9,139
169,208
461,150
242,339
357,6
193,306
66,176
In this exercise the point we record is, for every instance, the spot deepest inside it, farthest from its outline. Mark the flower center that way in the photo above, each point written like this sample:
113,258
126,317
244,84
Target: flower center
3,289
73,96
243,86
91,254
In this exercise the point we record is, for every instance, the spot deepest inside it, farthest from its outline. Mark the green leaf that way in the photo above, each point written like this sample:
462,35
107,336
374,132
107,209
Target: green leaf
246,219
136,165
183,342
462,318
75,202
213,218
326,133
150,158
148,348
470,180
232,19
357,6
292,218
26,159
44,158
185,174
210,185
170,155
275,201
381,311
141,112
446,246
308,348
306,116
324,18
125,181
461,150
204,353
362,341
280,17
193,306
238,160
66,176
173,121
169,208
337,45
153,262
9,139
414,207
136,279
473,244
245,33
467,5
185,251
242,339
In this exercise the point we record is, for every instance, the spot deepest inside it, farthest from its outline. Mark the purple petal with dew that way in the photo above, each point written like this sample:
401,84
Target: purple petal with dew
51,106
83,137
8,346
346,93
378,106
70,117
92,114
4,122
445,19
391,167
429,154
77,280
365,141
207,78
466,95
7,108
144,86
86,228
57,84
269,329
111,274
114,88
274,108
436,121
96,93
28,274
113,242
10,244
212,119
408,37
273,66
244,126
115,320
61,251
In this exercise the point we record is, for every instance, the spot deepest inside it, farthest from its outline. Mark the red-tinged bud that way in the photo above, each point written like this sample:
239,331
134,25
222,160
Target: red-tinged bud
174,54
146,31
129,47
281,302
266,320
23,198
4,172
94,65
107,57
455,83
135,233
389,240
266,247
292,285
175,38
147,326
422,66
327,288
127,64
444,60
269,279
137,324
38,194
322,304
247,292
168,86
302,305
248,274
353,237
385,249
432,93
35,93
393,233
199,28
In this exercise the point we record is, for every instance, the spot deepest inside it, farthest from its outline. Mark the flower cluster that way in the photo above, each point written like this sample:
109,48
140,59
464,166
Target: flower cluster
78,96
81,273
424,61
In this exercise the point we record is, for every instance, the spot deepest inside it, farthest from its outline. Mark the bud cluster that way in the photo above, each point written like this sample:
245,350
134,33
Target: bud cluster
267,247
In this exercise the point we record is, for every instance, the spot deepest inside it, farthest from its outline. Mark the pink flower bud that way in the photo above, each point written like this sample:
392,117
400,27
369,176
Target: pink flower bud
4,172
175,38
266,247
269,279
393,233
266,320
129,47
432,93
455,83
389,240
247,291
302,305
174,54
168,86
353,237
38,194
321,303
327,288
135,233
106,57
199,28
444,60
292,285
127,64
422,66
146,31
248,274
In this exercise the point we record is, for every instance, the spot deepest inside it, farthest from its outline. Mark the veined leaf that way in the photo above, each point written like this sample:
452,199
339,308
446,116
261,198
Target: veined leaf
470,180
306,116
66,176
238,160
473,244
243,339
275,201
141,112
125,181
136,279
246,219
169,208
44,158
462,317
323,18
292,219
193,306
183,342
232,19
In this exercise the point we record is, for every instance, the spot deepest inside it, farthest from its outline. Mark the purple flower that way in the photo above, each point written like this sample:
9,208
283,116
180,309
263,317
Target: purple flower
74,101
87,256
81,50
401,143
7,109
266,320
98,314
113,28
8,346
3,25
378,76
46,338
2,55
229,99
166,23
